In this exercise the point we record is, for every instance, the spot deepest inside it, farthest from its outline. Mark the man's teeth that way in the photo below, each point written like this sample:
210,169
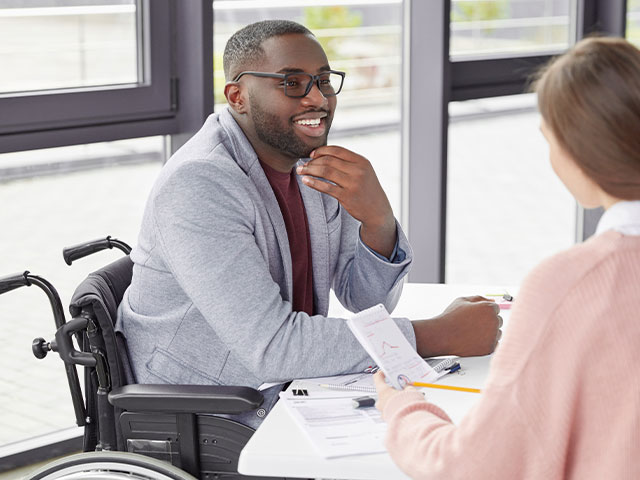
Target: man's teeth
312,122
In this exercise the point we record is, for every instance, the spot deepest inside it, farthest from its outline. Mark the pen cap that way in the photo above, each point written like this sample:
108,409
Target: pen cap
362,402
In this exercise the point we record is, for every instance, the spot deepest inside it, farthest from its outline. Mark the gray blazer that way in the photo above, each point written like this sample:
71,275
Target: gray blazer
209,302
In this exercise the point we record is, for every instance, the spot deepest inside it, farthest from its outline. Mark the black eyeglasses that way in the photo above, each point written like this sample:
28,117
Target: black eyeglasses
298,84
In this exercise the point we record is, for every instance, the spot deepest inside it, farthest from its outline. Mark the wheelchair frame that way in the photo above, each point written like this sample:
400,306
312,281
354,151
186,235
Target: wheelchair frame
115,411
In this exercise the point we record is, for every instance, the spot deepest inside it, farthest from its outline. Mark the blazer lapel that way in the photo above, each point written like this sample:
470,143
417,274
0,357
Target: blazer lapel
319,245
259,178
247,159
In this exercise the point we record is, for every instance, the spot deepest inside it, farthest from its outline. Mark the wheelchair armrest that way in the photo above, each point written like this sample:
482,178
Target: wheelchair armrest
185,398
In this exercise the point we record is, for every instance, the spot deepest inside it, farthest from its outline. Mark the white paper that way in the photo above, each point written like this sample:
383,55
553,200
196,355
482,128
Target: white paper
384,342
334,427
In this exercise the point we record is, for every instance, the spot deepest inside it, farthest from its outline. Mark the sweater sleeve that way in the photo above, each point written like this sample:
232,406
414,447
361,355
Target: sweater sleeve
501,436
553,406
489,443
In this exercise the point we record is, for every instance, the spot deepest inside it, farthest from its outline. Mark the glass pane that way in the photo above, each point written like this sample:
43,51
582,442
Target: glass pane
41,213
506,209
508,27
633,21
363,40
51,45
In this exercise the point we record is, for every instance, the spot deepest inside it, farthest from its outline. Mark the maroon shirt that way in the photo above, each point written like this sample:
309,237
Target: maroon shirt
285,187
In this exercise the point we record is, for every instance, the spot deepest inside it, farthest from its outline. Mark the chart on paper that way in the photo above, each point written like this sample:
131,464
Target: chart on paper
384,341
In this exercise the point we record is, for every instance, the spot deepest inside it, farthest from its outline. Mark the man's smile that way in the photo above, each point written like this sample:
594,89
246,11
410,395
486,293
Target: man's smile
312,124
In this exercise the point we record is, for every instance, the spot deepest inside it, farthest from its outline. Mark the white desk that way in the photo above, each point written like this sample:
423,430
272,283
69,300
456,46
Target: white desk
280,448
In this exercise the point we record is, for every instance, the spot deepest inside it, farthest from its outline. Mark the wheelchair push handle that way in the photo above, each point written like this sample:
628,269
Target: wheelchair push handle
81,250
16,280
40,347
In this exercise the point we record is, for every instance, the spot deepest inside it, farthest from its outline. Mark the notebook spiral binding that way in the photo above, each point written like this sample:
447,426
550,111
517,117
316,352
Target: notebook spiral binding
438,364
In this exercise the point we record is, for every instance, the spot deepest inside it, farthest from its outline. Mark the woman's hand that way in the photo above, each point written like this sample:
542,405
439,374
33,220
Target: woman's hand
385,392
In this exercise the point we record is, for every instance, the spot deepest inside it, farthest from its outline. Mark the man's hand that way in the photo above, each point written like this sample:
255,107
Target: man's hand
470,326
356,187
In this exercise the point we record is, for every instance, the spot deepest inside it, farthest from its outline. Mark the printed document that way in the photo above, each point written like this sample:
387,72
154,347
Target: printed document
334,427
384,342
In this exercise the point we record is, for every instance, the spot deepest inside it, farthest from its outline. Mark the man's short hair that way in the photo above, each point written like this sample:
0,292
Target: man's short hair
244,48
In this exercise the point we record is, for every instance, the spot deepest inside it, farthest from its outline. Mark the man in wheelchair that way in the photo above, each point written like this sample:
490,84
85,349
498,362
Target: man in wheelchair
254,220
248,227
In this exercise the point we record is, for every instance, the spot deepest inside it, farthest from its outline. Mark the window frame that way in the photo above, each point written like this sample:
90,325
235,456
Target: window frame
190,38
425,155
101,113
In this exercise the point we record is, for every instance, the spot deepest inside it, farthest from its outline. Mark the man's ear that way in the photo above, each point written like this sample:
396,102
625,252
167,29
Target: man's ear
235,95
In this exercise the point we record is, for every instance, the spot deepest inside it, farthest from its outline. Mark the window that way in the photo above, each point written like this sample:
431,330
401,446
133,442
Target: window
81,71
500,187
506,209
68,46
495,45
55,198
83,68
508,27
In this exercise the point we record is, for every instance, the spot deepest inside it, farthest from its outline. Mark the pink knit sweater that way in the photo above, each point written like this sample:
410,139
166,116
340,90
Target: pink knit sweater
563,395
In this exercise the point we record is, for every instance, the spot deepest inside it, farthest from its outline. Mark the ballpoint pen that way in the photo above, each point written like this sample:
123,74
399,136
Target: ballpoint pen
453,368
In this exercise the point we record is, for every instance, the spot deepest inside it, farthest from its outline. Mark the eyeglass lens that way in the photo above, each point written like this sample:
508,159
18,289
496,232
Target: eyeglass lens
298,84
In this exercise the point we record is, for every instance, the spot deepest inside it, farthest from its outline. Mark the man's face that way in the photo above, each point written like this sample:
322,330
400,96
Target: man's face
291,126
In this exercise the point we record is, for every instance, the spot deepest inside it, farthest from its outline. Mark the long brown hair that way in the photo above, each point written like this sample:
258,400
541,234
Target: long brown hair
590,99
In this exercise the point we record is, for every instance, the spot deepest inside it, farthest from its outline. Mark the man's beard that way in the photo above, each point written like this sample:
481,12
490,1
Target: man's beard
284,140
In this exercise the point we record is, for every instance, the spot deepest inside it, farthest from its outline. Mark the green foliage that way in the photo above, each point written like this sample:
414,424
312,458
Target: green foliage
318,18
470,10
218,79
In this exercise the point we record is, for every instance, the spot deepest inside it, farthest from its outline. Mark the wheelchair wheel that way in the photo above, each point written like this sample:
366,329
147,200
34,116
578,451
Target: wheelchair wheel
108,466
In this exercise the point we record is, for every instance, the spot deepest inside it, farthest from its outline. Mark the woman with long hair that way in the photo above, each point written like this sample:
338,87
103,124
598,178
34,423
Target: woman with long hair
563,395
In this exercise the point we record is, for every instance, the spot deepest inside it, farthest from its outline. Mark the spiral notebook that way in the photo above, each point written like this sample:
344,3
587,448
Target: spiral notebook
363,382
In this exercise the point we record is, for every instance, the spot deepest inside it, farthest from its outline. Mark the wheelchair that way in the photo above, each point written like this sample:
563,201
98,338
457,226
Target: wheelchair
132,430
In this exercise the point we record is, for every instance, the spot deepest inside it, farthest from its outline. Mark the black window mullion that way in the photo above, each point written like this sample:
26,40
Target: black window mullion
605,17
474,79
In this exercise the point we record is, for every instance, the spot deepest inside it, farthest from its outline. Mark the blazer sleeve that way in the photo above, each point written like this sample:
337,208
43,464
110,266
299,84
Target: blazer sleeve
363,279
205,223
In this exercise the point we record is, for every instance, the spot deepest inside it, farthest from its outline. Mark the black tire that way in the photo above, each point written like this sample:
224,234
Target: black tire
108,466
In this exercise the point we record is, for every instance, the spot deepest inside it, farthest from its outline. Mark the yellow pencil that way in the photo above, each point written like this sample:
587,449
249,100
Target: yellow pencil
446,387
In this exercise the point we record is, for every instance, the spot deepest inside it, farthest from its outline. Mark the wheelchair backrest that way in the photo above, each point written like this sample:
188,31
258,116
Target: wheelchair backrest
97,298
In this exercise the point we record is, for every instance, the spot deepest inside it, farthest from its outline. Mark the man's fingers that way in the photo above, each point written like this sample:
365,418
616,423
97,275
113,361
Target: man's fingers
500,321
336,151
336,163
490,303
476,298
325,170
320,185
